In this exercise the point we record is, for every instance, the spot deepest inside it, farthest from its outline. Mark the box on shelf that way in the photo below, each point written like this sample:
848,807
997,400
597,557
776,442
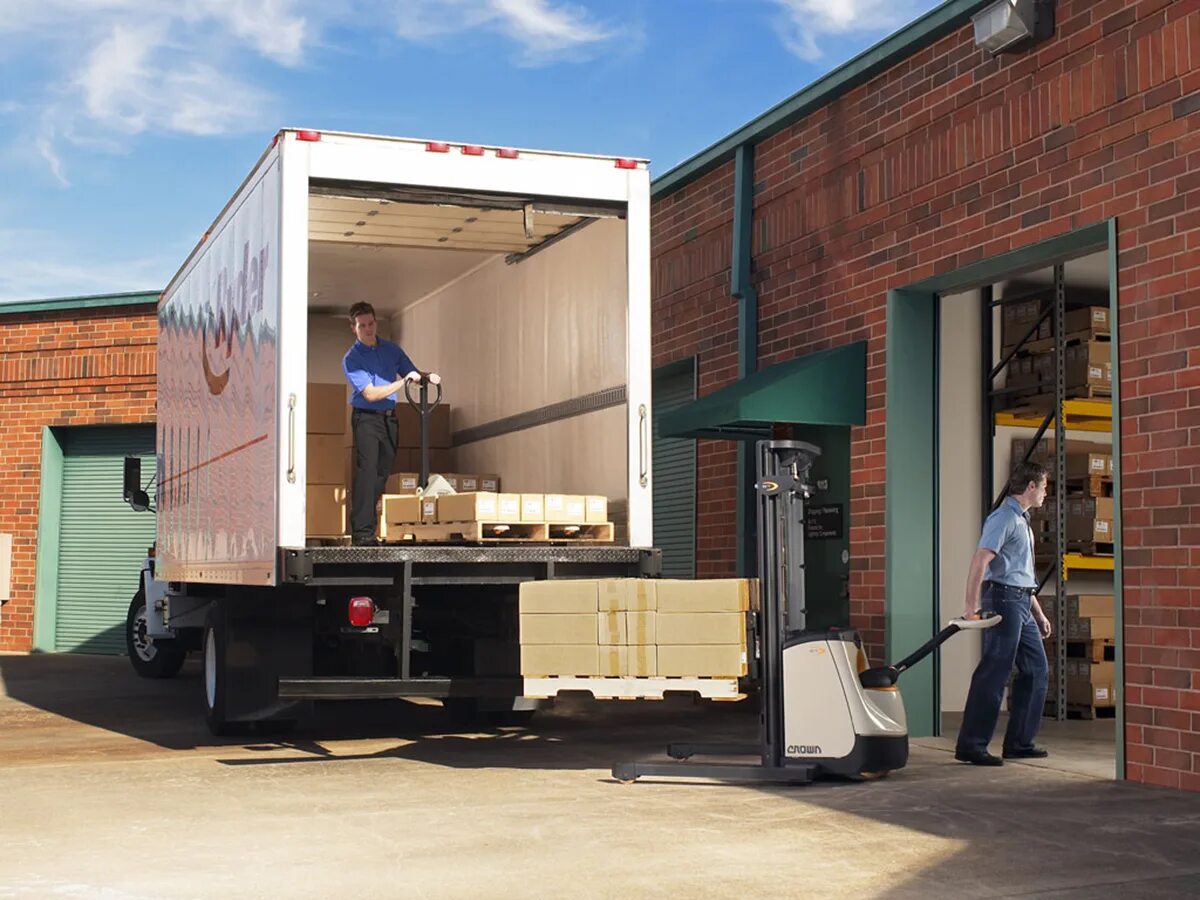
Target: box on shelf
1087,693
1089,364
472,507
1094,628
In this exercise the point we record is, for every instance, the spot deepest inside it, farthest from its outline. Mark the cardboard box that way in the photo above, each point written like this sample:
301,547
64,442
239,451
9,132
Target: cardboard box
401,509
623,594
402,483
466,484
613,661
533,508
326,460
1090,605
641,628
611,628
1089,364
474,507
701,628
408,422
489,483
560,659
713,660
508,507
325,509
1086,693
429,509
1016,319
703,595
559,595
1094,628
566,509
328,408
641,661
558,628
597,509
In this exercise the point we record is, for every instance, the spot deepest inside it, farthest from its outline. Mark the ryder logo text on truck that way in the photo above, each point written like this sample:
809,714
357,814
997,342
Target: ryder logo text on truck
237,300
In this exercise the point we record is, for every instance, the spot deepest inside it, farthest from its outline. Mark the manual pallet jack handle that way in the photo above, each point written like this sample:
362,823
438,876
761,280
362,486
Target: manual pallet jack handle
886,676
424,407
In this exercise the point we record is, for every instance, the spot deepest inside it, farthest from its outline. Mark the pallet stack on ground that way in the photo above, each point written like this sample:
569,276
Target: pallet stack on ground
484,516
1090,655
630,638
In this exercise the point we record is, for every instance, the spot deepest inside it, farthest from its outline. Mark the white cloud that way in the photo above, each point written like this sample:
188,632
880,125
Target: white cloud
803,24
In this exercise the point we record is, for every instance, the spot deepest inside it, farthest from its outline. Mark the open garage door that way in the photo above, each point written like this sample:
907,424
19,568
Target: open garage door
102,542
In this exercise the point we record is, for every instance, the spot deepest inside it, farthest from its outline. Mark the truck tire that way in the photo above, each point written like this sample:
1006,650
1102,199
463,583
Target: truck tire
148,658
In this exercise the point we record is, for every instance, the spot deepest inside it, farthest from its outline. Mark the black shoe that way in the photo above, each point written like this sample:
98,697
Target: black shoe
1031,753
365,542
978,758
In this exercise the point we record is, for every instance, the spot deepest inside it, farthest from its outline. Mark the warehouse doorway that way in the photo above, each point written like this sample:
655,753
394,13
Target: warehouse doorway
90,543
674,468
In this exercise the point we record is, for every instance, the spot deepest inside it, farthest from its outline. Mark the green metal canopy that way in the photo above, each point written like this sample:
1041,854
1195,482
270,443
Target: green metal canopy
825,388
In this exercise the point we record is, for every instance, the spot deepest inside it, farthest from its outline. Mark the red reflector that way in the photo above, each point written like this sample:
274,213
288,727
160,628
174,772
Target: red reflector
437,147
308,135
626,163
472,150
505,153
361,611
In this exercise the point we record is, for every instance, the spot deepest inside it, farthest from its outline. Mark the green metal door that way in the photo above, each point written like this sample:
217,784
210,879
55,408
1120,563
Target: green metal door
102,542
674,476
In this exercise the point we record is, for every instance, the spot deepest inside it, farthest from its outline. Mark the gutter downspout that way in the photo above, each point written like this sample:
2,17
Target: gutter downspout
742,289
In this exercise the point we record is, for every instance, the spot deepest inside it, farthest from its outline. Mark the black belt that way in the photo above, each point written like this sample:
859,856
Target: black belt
1009,587
375,412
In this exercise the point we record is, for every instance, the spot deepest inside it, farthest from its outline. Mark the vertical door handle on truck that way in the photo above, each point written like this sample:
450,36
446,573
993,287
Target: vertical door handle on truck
643,443
291,473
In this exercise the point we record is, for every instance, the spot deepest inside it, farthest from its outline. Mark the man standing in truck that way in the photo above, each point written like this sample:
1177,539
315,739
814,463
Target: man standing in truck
377,370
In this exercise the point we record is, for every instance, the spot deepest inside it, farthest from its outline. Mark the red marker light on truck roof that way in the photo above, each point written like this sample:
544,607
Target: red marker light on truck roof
472,150
360,611
437,147
626,163
308,135
507,153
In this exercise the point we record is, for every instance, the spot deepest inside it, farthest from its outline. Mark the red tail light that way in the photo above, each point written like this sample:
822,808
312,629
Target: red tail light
308,135
626,163
361,611
437,147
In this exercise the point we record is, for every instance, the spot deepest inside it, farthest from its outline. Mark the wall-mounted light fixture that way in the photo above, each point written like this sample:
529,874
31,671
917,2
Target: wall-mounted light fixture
1010,25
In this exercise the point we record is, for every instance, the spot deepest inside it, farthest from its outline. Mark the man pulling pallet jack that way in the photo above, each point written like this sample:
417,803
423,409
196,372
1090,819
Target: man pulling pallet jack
823,709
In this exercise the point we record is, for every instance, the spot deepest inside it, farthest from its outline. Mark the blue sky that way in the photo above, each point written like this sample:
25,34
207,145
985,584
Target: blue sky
126,124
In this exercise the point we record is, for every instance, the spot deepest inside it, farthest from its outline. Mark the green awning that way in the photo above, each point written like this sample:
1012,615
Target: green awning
825,388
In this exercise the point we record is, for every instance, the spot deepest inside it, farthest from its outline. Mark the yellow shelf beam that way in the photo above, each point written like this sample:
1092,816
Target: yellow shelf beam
1078,415
1085,563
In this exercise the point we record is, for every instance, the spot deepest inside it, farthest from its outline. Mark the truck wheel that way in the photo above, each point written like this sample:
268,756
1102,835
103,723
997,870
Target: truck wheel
149,659
215,675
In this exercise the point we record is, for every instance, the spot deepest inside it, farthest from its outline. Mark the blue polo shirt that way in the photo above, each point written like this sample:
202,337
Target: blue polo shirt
379,366
1007,534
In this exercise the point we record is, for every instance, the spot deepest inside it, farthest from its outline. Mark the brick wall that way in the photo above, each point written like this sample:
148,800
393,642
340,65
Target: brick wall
69,367
949,158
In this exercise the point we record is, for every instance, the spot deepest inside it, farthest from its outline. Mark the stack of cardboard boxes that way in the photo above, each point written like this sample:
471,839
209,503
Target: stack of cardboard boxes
1089,504
635,627
325,479
1088,356
1090,640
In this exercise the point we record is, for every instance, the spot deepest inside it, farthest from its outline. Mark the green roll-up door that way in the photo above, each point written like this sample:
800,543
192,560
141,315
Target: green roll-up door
102,542
675,477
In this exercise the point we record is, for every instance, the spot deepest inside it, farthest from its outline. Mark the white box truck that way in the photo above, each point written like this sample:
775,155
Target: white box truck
523,278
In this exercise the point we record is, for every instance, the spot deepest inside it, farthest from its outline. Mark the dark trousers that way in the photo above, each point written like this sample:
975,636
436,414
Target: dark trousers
375,440
1018,640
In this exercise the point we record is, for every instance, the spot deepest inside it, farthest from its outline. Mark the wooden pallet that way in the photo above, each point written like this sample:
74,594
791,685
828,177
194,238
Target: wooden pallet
1041,345
1089,486
1089,392
633,688
1102,650
467,532
576,533
327,540
1082,711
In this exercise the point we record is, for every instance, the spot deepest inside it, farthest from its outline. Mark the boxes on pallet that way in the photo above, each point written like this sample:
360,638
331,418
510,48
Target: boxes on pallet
641,627
1092,628
325,509
596,511
625,594
407,509
1089,364
1017,318
612,661
559,628
471,507
559,595
465,483
328,406
1084,458
641,660
701,628
566,509
489,483
712,595
611,628
1086,693
402,483
508,508
711,660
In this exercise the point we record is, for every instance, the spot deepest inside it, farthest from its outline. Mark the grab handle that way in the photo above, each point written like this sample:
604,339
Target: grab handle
291,472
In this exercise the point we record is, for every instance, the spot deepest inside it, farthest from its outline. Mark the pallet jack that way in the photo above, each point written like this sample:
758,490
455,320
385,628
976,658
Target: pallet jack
424,407
824,711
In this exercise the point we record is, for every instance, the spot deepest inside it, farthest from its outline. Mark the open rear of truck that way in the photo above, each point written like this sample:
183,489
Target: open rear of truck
522,278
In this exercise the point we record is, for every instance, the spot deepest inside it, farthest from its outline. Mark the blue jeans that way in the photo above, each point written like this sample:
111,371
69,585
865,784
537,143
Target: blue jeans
1017,639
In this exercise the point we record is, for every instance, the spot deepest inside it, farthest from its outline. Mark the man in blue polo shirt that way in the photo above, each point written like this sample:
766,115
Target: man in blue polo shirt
376,369
1005,559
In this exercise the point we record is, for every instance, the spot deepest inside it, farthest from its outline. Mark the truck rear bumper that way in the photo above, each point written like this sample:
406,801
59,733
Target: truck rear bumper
327,687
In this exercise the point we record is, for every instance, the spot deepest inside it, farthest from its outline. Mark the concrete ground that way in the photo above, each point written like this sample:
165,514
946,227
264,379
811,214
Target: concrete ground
110,787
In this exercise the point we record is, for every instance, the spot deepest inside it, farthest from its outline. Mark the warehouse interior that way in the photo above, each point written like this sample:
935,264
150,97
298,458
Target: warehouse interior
997,391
